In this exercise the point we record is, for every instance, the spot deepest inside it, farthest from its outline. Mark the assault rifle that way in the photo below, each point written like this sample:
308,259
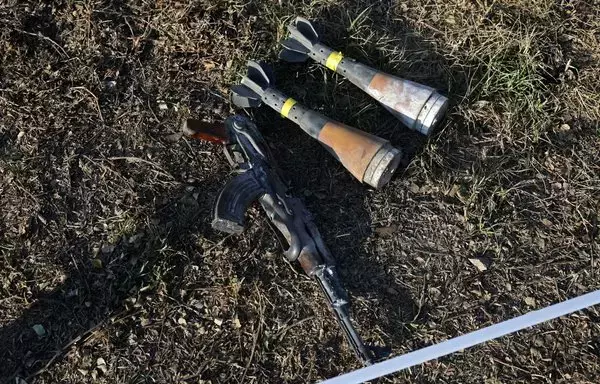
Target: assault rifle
259,179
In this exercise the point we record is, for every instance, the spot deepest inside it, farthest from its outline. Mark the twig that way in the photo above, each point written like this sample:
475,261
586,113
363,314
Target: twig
133,159
84,336
281,334
256,335
54,44
94,97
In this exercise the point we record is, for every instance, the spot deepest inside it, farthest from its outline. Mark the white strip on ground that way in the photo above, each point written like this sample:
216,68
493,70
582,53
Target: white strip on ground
465,341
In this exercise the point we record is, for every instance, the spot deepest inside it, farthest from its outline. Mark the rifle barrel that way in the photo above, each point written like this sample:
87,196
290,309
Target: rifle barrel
336,296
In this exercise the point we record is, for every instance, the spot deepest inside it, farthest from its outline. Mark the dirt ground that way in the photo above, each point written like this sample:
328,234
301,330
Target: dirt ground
111,273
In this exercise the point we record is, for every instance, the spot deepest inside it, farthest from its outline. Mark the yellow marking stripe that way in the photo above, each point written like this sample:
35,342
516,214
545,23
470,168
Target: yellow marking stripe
287,106
333,60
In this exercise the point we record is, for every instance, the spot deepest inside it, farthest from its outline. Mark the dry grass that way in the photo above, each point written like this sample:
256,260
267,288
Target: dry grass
105,223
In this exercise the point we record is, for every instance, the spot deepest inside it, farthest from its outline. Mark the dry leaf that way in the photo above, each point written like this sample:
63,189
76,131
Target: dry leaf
208,65
481,263
530,301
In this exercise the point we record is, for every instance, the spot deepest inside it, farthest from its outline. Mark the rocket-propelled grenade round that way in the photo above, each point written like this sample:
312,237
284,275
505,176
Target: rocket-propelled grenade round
418,106
370,159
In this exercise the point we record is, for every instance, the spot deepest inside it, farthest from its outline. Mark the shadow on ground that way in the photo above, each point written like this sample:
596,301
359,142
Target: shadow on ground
96,295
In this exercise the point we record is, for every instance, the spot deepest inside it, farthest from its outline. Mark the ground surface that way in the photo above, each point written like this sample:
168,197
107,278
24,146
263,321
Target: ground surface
106,246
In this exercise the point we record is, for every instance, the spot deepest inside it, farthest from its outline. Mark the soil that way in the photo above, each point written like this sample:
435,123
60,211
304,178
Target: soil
109,268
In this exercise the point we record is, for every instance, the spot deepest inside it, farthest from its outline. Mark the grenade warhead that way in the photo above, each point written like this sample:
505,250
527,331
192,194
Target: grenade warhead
370,159
418,106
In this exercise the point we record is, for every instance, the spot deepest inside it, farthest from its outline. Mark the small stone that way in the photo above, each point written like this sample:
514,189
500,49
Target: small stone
108,248
481,263
163,106
455,188
39,330
565,127
136,237
434,292
20,136
101,365
110,84
181,321
219,322
530,301
236,323
174,137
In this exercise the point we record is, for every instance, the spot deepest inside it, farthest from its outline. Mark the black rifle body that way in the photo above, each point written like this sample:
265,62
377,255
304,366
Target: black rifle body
259,179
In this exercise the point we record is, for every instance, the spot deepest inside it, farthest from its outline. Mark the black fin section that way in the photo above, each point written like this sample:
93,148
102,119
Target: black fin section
260,73
244,97
243,102
292,56
253,86
292,44
303,31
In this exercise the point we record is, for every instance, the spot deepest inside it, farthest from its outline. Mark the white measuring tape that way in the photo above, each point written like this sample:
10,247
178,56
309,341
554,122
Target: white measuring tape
465,341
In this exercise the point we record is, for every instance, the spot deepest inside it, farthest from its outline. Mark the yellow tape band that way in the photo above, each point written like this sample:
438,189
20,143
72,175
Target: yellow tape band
333,60
287,106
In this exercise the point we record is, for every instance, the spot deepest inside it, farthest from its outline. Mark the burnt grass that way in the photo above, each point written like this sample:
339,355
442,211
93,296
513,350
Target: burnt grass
105,209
